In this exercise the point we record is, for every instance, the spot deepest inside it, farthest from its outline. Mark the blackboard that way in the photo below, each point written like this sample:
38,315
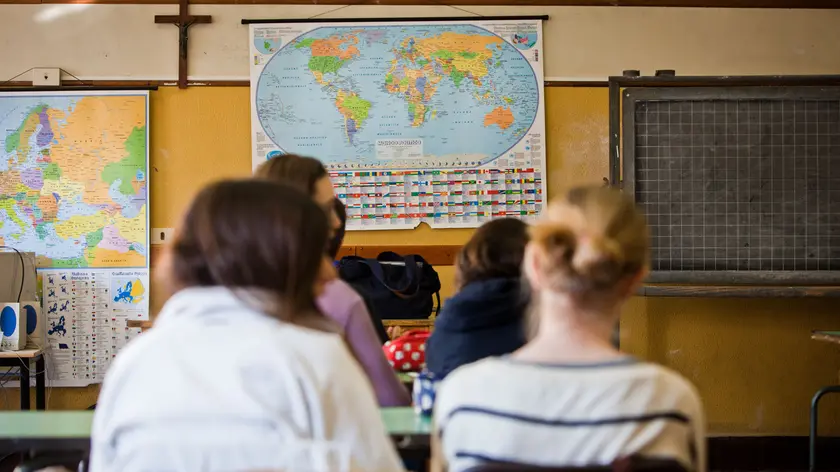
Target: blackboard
739,185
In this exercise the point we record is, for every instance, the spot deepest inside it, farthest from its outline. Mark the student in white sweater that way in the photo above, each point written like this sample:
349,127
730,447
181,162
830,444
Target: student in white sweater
241,372
568,397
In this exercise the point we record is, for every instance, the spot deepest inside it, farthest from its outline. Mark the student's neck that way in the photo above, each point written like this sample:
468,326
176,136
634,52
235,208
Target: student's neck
570,334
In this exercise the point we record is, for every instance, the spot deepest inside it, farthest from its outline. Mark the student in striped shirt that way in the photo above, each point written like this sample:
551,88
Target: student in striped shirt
568,397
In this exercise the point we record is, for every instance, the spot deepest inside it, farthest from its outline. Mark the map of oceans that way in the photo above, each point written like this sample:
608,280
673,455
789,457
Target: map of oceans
73,185
335,91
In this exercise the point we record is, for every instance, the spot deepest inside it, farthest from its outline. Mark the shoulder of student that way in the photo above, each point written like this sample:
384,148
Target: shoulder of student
475,377
343,291
271,341
284,339
496,372
340,301
472,374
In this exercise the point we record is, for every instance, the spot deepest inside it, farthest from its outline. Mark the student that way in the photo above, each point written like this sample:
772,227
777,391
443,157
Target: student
486,316
339,301
338,237
568,397
241,371
332,251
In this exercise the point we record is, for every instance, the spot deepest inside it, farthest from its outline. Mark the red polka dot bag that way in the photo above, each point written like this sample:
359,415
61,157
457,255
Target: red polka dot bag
407,353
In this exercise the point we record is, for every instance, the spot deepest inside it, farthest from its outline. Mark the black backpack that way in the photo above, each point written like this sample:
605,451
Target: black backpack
394,287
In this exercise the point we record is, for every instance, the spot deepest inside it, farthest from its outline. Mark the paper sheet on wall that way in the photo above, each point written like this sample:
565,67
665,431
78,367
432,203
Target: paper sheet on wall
438,122
86,314
74,188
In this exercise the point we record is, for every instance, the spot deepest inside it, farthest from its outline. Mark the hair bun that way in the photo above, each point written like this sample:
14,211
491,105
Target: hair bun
599,261
558,242
578,263
589,241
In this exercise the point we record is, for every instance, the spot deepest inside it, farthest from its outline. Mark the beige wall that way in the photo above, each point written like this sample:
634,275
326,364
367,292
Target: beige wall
123,42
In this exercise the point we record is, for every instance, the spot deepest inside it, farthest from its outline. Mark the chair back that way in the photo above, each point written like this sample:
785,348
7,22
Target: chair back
628,464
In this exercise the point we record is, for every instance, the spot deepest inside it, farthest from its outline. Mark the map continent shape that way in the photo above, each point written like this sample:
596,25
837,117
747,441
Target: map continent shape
73,186
335,91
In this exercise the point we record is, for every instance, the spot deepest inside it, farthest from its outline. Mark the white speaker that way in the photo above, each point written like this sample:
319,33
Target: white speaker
13,327
36,325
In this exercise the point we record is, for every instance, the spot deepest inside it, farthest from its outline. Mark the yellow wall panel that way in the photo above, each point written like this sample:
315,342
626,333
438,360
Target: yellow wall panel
752,360
197,136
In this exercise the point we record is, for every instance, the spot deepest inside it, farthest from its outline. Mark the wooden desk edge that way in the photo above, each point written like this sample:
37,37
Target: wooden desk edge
24,354
822,336
428,323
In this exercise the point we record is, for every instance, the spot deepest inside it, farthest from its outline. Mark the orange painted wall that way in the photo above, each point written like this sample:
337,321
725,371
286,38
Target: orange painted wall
752,360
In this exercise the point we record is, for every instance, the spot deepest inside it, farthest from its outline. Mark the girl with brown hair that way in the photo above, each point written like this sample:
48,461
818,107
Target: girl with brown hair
486,316
569,397
339,301
241,371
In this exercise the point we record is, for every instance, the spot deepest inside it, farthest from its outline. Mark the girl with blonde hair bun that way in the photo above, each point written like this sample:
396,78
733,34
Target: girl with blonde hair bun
569,397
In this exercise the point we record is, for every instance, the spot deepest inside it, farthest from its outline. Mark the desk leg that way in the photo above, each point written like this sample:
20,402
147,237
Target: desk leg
40,383
24,384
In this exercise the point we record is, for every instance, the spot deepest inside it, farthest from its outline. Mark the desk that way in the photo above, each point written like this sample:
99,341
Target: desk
403,421
412,434
49,430
407,379
70,430
24,359
832,337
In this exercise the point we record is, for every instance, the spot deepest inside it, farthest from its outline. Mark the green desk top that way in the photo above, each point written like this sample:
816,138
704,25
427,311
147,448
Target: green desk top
403,421
834,334
829,336
77,424
406,377
41,424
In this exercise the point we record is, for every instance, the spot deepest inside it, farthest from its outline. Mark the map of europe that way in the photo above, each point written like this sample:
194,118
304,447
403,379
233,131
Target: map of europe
73,186
341,93
129,292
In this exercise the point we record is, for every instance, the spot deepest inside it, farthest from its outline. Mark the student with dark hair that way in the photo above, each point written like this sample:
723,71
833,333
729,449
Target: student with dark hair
339,301
486,315
306,174
241,371
332,251
569,398
338,238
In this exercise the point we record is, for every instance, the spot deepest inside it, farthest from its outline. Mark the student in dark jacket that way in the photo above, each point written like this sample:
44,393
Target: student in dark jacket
486,316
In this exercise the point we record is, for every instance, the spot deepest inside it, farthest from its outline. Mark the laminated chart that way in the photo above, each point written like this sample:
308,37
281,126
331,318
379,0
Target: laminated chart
86,315
438,122
74,190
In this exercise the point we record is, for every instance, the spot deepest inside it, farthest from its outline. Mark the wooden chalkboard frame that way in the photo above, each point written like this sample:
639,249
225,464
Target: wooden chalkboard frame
631,96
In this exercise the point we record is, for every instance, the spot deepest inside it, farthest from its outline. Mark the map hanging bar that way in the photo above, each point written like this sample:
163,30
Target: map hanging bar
393,20
79,88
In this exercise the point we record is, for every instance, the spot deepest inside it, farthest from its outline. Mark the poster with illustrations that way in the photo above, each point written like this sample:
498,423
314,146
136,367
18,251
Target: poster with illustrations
438,122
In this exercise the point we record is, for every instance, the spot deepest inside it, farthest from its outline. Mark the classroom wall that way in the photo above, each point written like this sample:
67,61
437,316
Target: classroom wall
122,41
752,360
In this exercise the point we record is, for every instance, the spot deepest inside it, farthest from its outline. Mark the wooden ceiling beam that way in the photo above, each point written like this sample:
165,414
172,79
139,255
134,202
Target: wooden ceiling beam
798,4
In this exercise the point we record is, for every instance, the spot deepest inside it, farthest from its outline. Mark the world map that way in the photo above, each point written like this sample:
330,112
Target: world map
454,93
73,183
